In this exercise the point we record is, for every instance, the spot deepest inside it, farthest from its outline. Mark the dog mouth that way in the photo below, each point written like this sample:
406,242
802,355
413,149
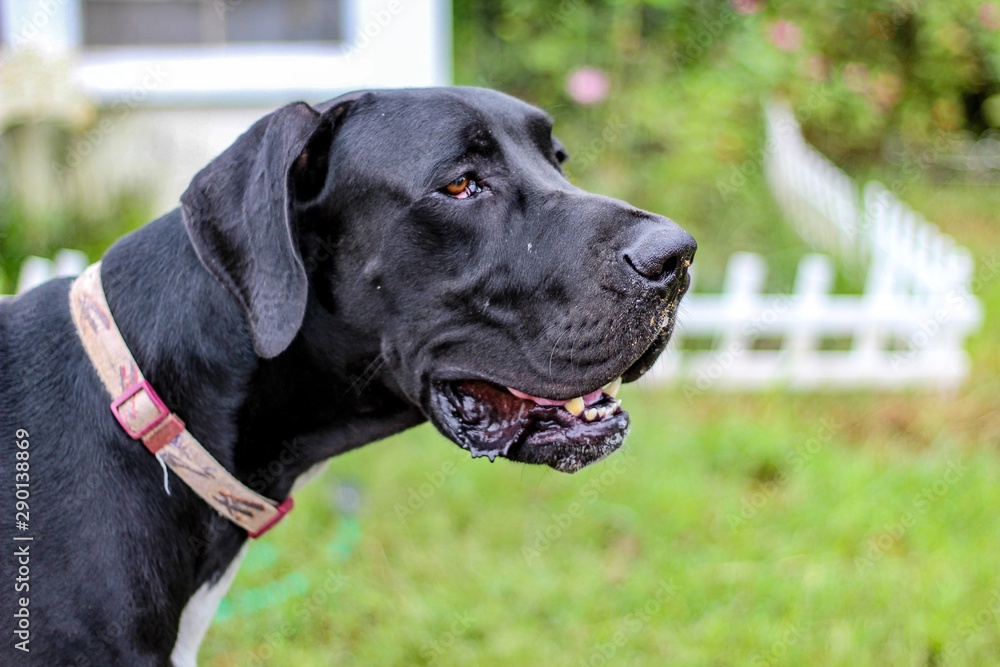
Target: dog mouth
492,420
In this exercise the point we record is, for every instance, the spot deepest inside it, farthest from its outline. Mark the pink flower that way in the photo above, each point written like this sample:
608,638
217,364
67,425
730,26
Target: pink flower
989,15
746,6
786,35
588,85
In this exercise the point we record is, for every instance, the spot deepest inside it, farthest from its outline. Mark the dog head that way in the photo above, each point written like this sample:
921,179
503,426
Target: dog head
437,229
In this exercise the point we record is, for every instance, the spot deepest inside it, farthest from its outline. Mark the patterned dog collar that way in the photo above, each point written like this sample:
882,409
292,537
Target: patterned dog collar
143,415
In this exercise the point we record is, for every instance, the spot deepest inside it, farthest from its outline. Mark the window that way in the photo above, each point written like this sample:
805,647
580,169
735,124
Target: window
192,22
175,53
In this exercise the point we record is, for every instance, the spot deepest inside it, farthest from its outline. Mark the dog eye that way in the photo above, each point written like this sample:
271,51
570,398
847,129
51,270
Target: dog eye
462,188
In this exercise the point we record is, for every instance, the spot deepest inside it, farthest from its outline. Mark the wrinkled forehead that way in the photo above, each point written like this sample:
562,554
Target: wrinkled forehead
416,130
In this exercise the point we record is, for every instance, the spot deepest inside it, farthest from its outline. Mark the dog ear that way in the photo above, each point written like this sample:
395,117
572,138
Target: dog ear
239,215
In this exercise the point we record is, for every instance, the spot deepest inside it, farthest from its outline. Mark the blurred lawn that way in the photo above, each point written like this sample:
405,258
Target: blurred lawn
730,528
733,530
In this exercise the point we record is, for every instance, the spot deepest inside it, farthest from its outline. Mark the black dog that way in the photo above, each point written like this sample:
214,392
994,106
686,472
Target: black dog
338,275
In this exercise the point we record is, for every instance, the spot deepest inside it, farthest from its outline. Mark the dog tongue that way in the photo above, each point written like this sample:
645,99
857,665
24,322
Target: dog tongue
588,399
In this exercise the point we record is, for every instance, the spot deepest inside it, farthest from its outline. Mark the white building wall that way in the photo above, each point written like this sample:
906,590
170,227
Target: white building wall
162,113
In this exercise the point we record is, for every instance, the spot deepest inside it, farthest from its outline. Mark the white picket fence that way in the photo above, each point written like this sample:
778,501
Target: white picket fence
37,270
907,329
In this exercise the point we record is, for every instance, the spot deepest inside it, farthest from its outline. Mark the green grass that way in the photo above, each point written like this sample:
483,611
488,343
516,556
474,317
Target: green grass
862,531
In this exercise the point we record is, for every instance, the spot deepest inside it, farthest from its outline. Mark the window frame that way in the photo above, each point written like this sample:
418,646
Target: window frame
247,74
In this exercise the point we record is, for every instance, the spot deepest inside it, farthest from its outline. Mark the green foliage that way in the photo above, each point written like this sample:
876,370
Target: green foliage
690,74
46,206
23,233
682,123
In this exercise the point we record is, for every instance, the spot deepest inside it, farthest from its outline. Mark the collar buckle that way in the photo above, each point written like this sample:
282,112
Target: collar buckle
161,409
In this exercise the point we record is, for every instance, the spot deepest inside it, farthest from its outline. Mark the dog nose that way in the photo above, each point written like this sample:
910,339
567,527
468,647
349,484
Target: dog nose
661,252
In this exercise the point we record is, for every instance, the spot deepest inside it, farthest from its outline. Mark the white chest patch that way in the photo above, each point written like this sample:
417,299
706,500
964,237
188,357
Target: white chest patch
200,609
198,613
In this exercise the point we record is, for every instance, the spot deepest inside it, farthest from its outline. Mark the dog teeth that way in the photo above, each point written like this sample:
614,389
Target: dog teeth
584,406
611,388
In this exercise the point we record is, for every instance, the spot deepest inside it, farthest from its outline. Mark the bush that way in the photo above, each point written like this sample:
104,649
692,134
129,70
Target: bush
686,79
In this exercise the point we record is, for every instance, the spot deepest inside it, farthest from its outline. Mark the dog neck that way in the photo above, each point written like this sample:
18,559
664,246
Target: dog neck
266,421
